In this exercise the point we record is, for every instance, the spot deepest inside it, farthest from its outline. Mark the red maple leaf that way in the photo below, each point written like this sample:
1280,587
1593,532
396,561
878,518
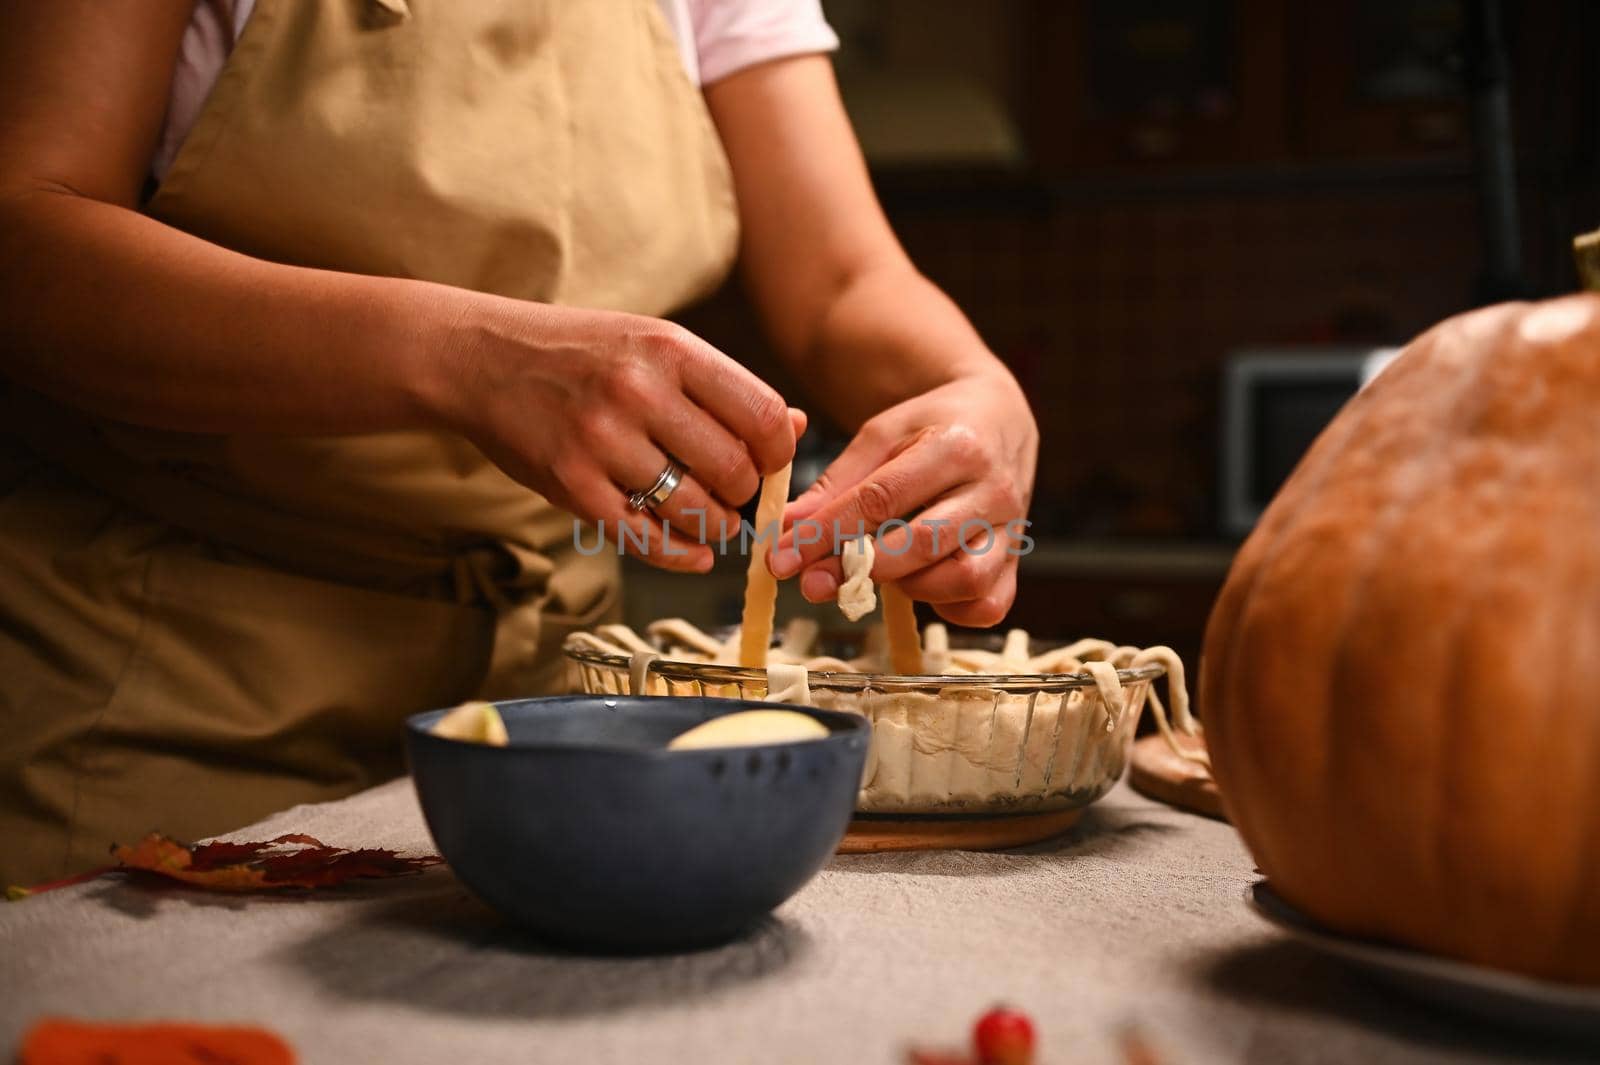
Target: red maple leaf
294,860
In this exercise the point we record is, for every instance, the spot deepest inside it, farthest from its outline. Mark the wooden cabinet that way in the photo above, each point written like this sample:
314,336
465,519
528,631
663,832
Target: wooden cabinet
1156,85
1378,79
1142,84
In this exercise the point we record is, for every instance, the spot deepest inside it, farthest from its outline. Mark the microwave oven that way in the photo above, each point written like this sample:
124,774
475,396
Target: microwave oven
1275,402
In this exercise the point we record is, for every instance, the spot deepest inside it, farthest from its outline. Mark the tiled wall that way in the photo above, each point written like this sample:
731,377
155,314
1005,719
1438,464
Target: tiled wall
1117,308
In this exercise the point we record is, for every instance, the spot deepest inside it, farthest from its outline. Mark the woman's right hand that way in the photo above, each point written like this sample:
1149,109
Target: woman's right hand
584,406
113,312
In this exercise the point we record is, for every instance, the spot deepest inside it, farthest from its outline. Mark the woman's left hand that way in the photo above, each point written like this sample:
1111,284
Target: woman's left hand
957,464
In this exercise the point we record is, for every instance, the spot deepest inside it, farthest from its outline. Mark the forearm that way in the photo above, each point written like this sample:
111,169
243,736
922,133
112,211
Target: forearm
121,315
889,334
840,299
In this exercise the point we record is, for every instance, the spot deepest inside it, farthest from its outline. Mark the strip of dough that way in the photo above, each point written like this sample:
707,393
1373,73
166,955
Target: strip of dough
855,596
1055,662
1014,653
639,672
1090,648
1111,693
588,641
760,586
1179,692
624,637
935,649
977,660
788,684
683,633
900,621
798,636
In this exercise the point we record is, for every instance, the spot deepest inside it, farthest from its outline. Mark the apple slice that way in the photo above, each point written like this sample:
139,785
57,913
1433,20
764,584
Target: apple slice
750,728
474,723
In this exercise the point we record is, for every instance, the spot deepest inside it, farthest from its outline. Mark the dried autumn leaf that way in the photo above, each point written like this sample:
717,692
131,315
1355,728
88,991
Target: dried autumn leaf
16,892
288,861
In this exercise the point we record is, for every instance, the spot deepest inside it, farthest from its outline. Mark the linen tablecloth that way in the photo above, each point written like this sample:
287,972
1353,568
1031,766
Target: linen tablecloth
1136,917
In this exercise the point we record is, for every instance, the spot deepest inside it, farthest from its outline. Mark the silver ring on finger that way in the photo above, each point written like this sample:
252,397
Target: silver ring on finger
658,493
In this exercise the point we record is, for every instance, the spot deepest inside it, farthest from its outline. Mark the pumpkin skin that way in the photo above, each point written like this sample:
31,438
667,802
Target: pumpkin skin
1401,677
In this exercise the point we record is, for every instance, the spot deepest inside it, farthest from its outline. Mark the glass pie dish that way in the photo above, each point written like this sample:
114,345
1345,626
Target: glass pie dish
979,743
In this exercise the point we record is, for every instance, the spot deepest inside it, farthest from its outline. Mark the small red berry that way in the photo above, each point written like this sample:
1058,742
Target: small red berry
1003,1036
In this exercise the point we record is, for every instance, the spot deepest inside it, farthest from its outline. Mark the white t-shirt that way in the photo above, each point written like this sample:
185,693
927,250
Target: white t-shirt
715,39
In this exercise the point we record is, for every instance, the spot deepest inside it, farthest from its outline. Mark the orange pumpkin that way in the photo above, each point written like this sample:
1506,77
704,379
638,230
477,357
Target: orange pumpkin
1401,678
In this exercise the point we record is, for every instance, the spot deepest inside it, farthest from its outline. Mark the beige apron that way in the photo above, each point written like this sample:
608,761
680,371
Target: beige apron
197,630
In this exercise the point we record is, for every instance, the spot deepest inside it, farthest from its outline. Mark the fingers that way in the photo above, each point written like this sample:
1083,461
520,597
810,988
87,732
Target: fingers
717,459
987,610
972,590
920,472
693,516
965,575
644,536
944,555
746,406
594,401
973,519
820,582
690,511
867,450
592,493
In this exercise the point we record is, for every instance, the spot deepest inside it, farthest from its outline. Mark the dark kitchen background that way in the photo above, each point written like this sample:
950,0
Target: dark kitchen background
1126,194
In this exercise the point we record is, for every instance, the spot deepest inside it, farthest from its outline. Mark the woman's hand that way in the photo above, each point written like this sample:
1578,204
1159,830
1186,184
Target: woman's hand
945,433
115,313
585,406
961,453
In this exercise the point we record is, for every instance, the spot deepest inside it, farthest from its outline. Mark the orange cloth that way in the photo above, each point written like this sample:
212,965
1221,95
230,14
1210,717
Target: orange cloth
67,1042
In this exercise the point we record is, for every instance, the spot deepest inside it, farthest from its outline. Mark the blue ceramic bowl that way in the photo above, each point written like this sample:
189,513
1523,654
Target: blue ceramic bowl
588,832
